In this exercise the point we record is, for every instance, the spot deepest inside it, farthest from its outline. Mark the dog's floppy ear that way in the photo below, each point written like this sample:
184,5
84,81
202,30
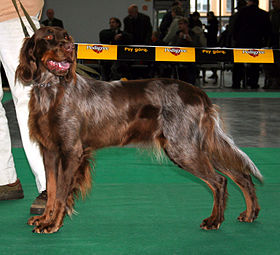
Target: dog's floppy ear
27,62
71,75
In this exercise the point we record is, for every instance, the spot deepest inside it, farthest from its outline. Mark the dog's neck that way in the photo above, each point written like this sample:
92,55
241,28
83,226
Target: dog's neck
42,85
46,90
48,79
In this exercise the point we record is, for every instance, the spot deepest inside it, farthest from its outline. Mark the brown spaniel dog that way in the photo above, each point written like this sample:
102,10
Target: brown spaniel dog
71,116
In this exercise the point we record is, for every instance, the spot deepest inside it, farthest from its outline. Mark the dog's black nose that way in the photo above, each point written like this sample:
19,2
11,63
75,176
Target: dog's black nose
69,47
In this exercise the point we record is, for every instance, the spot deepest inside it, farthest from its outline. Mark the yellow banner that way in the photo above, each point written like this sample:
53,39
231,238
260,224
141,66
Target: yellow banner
175,54
97,51
253,56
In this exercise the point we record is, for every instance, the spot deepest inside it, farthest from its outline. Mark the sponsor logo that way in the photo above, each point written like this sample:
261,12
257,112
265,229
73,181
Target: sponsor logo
175,51
136,50
214,52
97,48
253,53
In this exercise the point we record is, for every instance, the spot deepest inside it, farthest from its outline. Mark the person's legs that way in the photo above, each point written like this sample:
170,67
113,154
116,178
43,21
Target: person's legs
253,73
7,168
11,39
237,75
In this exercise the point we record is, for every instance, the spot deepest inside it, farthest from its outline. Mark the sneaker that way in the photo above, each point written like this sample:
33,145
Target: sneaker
11,191
39,204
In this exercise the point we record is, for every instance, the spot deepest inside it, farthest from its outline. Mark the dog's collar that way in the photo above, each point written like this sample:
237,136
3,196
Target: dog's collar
43,85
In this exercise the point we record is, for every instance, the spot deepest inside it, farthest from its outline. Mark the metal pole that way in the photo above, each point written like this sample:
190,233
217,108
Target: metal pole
232,6
220,15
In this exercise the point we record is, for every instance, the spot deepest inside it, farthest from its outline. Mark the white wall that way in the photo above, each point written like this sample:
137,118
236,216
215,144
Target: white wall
84,19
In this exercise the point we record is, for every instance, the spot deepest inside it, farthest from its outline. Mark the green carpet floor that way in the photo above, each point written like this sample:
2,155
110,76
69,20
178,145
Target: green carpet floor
6,96
140,206
242,94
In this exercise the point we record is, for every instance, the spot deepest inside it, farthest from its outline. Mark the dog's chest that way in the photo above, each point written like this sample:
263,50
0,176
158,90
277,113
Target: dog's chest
43,118
40,131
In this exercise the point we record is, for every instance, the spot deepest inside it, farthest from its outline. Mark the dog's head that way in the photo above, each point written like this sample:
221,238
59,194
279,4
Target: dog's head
49,49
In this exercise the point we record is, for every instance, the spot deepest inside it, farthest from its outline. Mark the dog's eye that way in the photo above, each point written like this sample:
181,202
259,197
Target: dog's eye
49,37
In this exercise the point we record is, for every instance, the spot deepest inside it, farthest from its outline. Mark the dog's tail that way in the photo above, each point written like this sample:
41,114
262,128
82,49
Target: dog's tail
221,148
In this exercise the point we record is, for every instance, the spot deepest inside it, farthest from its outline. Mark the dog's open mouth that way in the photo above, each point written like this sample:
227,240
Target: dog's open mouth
58,66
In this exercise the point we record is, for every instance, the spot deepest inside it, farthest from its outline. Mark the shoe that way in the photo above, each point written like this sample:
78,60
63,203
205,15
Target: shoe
39,204
275,84
255,86
11,191
235,86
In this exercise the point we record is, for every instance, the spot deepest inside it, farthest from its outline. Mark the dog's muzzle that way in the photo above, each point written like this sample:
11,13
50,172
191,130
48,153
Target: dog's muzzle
60,68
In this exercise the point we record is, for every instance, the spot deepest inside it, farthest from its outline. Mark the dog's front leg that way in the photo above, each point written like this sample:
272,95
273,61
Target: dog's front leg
51,161
67,166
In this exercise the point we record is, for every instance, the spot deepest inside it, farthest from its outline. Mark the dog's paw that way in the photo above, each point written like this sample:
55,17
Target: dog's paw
210,223
244,218
35,220
46,229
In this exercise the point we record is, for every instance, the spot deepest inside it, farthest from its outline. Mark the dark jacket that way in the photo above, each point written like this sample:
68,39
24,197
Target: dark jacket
232,20
165,24
275,27
140,28
212,33
251,28
177,41
107,36
53,23
194,23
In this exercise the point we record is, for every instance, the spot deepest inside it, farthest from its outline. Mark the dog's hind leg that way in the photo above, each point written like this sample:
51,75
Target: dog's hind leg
248,189
199,165
231,161
245,183
81,183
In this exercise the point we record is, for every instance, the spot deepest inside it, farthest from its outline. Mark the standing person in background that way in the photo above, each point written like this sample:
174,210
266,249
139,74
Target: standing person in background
138,25
11,40
274,16
177,14
212,30
51,20
212,37
195,20
238,69
272,71
252,29
240,4
167,20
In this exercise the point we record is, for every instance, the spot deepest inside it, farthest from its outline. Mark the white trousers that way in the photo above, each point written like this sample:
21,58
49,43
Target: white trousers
11,39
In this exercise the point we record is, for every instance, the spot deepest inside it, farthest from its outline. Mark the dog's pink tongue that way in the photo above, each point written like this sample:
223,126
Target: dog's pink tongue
52,65
64,65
